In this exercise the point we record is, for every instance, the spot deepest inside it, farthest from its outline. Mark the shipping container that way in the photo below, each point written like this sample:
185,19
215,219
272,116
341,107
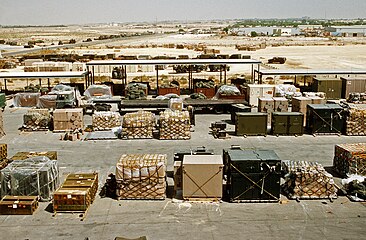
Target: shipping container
251,124
352,85
287,123
325,119
331,87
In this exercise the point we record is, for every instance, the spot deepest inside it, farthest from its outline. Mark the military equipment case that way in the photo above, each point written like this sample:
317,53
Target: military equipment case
331,87
18,205
253,175
235,108
324,119
251,124
352,85
287,123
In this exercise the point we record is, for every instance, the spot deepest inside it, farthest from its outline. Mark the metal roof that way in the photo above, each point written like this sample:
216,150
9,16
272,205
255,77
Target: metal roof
173,61
42,74
305,72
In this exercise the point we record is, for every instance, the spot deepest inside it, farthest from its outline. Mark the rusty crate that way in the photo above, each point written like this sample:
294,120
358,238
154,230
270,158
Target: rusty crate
18,205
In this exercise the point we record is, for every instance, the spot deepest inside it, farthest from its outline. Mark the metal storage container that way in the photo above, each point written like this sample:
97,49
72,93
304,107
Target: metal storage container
325,118
331,87
202,177
287,123
352,85
251,124
253,175
235,108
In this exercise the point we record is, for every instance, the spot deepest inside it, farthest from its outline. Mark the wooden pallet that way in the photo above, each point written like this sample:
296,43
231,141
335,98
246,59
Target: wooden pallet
203,200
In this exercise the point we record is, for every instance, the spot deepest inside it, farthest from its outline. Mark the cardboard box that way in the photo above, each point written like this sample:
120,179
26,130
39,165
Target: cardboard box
202,176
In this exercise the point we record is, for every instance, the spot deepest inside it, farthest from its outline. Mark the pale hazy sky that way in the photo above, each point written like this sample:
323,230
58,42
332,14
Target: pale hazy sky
48,12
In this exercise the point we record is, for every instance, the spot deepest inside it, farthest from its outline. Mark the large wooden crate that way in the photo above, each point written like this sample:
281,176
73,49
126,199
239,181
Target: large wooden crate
72,199
18,205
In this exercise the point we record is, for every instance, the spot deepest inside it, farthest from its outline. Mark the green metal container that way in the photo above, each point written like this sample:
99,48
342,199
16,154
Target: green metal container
325,119
251,124
287,123
2,100
235,108
331,87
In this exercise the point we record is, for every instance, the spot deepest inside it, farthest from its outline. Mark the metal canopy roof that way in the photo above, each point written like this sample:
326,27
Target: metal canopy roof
43,74
174,61
305,72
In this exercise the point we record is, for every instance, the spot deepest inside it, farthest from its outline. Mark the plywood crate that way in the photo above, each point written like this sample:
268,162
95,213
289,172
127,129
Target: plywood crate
18,205
202,177
280,104
308,180
350,159
68,119
72,199
141,176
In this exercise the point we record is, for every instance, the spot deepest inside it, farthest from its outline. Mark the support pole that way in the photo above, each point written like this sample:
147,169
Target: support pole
252,71
260,79
40,82
225,73
93,76
6,88
157,78
220,73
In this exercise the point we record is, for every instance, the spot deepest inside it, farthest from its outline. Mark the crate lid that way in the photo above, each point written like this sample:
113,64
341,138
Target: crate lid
287,113
202,159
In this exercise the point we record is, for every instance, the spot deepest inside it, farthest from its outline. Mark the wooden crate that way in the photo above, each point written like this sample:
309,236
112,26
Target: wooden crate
208,92
18,205
71,199
52,155
68,119
164,91
3,151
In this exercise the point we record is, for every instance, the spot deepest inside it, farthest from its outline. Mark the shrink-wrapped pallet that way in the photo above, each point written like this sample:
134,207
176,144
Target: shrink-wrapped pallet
26,99
38,176
138,125
176,104
308,180
106,120
350,159
141,176
37,119
175,125
355,123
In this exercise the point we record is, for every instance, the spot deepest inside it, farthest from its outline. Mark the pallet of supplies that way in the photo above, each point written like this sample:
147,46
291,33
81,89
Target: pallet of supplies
138,125
26,99
350,159
141,176
308,180
175,125
176,104
68,119
37,119
355,123
106,120
52,155
37,176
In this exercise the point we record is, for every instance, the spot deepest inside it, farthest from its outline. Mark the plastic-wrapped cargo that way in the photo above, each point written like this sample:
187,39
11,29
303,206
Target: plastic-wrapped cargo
138,125
350,159
26,99
98,92
308,180
106,120
287,91
141,176
228,90
38,176
355,186
176,104
175,125
47,101
37,119
136,91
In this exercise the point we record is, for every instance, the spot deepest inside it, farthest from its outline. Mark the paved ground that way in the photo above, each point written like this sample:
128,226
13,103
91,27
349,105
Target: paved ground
171,219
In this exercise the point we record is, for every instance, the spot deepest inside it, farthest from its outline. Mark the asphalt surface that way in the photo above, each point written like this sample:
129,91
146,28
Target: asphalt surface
175,219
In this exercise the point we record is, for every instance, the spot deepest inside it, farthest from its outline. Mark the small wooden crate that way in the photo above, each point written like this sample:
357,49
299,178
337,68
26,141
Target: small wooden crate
18,205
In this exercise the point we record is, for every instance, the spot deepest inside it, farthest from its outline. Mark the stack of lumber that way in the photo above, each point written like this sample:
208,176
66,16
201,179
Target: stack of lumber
37,176
350,159
308,180
141,176
77,193
37,119
68,119
106,120
175,125
138,125
355,123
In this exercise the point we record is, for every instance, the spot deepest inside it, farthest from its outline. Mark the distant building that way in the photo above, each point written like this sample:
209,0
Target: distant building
283,32
311,30
347,31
